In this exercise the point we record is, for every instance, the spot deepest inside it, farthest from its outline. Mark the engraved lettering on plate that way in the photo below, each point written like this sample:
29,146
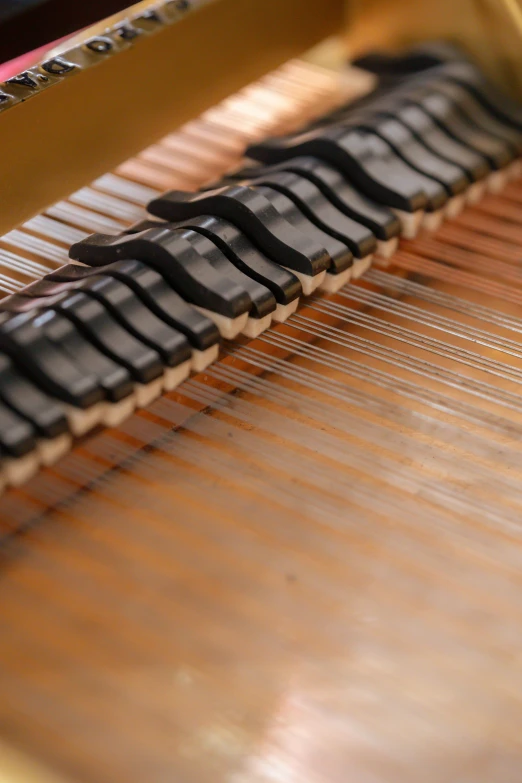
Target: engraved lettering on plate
50,71
100,45
24,79
57,66
127,32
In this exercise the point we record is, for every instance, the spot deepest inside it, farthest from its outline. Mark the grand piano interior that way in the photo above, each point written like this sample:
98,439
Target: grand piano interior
260,372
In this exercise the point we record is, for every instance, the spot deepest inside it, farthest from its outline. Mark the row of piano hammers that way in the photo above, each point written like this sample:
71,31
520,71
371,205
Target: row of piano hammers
135,314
